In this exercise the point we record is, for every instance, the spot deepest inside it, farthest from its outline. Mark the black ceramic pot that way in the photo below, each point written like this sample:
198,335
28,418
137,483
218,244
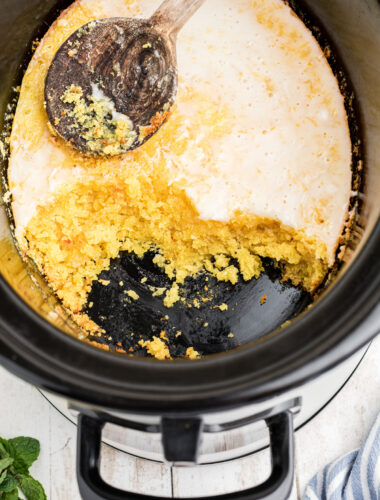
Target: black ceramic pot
37,346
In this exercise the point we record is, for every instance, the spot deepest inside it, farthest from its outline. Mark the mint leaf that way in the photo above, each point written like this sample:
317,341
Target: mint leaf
16,456
25,448
3,451
5,463
8,484
3,475
32,489
5,448
12,495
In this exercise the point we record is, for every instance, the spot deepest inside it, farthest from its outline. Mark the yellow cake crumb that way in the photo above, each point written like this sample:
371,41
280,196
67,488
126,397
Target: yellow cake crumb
100,346
171,296
222,307
156,348
221,261
196,303
132,294
104,282
163,335
157,292
191,353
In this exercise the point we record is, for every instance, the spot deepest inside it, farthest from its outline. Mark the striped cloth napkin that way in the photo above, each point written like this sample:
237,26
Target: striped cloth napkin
355,476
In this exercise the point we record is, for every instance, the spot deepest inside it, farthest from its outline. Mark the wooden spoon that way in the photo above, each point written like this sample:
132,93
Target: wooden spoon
112,83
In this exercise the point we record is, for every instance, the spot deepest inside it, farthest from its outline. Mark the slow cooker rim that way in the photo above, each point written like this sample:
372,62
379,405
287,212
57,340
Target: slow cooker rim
58,374
34,364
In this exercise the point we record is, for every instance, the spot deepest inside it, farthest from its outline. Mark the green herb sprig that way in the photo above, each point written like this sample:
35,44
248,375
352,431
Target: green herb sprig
16,456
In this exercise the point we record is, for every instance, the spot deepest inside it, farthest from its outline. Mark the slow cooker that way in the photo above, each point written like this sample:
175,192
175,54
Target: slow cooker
259,384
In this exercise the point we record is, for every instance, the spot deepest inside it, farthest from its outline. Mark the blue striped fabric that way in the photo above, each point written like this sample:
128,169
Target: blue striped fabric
355,476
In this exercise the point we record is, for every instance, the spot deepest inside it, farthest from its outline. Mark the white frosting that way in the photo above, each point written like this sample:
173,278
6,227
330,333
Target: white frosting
286,152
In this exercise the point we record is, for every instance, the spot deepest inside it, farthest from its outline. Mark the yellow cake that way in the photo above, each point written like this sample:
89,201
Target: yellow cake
254,161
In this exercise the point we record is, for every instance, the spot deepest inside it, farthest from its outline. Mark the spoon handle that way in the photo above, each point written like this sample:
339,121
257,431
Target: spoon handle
171,15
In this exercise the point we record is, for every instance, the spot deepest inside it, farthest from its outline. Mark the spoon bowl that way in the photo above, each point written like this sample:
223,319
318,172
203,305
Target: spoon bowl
113,82
111,85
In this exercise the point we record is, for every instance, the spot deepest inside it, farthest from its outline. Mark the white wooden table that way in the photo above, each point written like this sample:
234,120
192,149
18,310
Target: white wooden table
339,428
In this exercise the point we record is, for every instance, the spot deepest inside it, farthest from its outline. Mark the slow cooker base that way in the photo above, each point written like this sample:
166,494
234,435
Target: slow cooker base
230,444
